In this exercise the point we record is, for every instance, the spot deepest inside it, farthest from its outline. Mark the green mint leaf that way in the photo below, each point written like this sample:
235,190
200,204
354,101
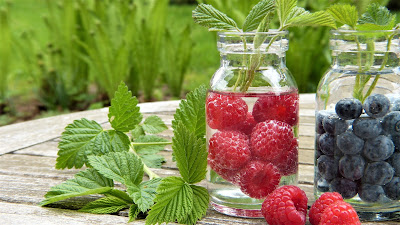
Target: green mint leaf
84,183
201,199
143,195
191,112
257,14
137,132
284,8
154,125
133,213
301,17
174,201
190,154
344,14
105,205
124,113
376,18
214,20
124,167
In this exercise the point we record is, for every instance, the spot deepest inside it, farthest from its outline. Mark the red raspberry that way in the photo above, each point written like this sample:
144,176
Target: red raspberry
270,139
288,162
286,205
228,175
247,125
321,204
284,108
340,213
225,111
229,150
258,178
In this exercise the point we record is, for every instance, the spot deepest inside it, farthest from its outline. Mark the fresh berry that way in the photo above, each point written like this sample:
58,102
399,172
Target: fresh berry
322,184
286,205
366,127
379,173
379,148
321,204
396,142
349,143
372,193
270,139
229,150
395,105
283,108
352,167
334,125
225,111
348,108
340,213
327,167
247,125
327,144
258,179
347,188
319,118
391,123
376,105
288,162
395,163
392,189
228,175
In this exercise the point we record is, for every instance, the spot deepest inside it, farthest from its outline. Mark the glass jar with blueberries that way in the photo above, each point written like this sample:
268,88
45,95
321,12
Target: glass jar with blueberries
357,141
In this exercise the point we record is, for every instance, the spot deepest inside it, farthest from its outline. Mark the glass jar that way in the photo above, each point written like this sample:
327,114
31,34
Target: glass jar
252,122
357,141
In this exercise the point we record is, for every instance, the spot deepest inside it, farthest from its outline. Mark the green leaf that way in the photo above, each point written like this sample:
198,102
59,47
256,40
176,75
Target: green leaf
284,8
105,205
124,113
257,14
137,132
124,167
143,195
174,201
191,112
201,199
262,27
133,212
214,20
119,194
84,183
149,149
119,141
376,18
190,154
153,160
109,141
344,14
154,125
300,17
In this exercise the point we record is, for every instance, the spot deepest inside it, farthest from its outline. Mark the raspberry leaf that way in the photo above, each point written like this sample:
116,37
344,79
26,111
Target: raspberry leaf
284,8
148,153
143,194
133,212
106,205
154,125
344,14
213,19
376,18
124,113
200,205
301,17
257,14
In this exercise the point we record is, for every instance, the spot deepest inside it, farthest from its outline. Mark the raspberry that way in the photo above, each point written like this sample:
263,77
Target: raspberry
258,178
247,125
288,162
270,139
286,205
225,111
321,204
228,175
340,213
229,150
284,108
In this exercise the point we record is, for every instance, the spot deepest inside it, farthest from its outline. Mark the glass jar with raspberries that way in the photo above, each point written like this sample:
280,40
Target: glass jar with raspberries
252,122
357,141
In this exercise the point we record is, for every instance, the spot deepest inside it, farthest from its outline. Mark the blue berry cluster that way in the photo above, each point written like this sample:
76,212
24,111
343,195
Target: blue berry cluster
358,149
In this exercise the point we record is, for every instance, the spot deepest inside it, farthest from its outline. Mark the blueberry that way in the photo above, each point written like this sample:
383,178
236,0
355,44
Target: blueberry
334,125
392,189
379,173
391,123
379,148
327,167
327,144
372,193
366,127
396,142
349,143
322,185
395,162
345,187
319,117
348,108
376,105
352,166
395,105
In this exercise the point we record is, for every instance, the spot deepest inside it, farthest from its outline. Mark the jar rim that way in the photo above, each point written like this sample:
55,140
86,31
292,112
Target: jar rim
250,33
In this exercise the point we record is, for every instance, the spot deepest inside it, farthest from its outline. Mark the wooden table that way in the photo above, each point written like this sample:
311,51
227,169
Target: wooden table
28,154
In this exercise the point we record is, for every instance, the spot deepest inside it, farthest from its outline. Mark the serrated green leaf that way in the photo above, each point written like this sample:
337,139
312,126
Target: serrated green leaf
149,149
174,201
304,18
105,205
376,18
109,141
257,14
344,14
284,8
190,154
262,27
124,114
143,195
119,141
152,161
191,112
119,194
201,199
84,183
137,132
214,20
124,167
133,213
154,125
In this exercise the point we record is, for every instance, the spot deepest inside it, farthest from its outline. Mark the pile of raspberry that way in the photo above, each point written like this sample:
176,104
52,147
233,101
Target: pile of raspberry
253,150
